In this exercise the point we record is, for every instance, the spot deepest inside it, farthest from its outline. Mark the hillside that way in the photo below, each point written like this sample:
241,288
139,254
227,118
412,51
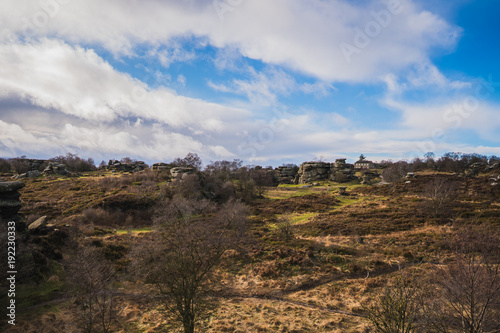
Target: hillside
312,260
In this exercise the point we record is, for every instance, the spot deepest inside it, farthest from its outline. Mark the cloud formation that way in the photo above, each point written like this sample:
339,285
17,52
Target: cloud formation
59,94
386,36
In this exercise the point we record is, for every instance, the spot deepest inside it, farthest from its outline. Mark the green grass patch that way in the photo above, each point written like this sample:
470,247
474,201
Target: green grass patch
133,231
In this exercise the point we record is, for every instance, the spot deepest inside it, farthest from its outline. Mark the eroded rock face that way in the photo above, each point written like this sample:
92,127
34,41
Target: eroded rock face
181,171
9,199
285,175
313,171
56,169
117,166
339,171
160,167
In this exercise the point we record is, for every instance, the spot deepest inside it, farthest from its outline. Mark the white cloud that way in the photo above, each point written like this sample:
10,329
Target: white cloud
436,118
98,109
263,88
76,81
303,35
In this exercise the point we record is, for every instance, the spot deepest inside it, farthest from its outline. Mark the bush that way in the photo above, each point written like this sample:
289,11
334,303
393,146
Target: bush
20,164
395,172
4,166
441,195
75,163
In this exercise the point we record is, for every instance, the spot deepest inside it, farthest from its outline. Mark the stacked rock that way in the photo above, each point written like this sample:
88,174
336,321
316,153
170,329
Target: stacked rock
9,199
285,175
313,171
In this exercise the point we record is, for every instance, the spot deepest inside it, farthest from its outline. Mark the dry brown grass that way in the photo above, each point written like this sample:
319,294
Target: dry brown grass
343,253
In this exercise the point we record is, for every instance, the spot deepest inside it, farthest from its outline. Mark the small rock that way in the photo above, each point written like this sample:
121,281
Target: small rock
38,223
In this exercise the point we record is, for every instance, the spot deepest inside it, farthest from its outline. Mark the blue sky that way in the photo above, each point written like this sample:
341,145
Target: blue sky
268,82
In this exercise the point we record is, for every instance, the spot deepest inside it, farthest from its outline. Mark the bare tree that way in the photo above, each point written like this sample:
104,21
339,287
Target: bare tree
440,194
396,171
469,287
180,259
284,228
397,309
190,160
4,166
20,164
90,277
262,179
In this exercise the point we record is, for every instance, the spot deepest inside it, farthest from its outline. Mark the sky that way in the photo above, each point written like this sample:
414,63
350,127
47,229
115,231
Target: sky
267,82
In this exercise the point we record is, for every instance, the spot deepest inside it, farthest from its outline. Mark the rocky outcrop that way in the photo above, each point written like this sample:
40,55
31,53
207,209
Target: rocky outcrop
159,167
117,166
55,168
29,174
36,164
9,199
180,172
285,175
313,171
340,171
367,178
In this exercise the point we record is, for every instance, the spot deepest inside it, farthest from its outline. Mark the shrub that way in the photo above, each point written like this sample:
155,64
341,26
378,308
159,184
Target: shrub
75,163
4,166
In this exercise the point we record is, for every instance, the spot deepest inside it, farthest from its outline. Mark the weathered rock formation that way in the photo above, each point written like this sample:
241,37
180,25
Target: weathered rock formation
180,172
313,171
9,199
367,178
285,175
29,174
55,168
36,164
161,167
340,171
117,166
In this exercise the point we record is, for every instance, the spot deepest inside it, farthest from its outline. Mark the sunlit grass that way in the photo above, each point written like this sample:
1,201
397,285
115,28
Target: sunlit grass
133,231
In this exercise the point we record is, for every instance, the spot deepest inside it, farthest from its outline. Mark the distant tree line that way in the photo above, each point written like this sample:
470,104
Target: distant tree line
73,163
450,162
227,170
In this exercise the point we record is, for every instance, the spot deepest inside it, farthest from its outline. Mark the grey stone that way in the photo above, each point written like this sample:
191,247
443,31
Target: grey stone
11,186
